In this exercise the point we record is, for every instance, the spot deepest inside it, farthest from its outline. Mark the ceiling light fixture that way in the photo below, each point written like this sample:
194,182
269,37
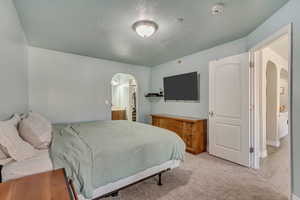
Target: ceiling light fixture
145,28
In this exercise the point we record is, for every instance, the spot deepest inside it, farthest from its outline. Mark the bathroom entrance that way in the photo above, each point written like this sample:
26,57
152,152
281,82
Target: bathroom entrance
124,97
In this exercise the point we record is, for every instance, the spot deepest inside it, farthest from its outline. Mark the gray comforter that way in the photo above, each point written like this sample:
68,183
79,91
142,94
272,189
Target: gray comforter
97,153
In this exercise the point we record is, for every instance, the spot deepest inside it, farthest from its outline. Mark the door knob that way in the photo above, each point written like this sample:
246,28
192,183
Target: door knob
211,113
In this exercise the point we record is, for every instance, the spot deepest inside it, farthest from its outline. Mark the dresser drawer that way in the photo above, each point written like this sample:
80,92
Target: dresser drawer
156,122
188,134
175,126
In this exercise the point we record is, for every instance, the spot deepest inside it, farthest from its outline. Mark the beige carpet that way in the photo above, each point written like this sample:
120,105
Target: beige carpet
276,167
204,177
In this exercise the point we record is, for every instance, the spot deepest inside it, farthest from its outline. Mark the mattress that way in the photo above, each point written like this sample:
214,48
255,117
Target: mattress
95,154
42,163
37,164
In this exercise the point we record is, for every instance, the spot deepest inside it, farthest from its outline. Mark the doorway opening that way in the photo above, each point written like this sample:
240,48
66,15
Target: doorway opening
271,86
250,108
124,97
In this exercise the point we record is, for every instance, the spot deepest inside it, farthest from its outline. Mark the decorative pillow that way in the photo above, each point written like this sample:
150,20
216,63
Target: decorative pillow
13,121
3,152
11,141
36,130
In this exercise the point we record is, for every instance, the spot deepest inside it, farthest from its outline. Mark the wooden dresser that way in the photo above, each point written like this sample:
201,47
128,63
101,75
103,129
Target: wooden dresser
191,130
45,186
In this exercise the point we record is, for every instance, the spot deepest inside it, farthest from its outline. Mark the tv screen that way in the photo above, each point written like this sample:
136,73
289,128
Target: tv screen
181,87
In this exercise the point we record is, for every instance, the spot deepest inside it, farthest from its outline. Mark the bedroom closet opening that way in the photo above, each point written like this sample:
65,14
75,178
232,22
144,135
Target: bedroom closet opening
124,97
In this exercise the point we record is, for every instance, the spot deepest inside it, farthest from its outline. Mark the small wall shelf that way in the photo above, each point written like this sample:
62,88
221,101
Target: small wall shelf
154,95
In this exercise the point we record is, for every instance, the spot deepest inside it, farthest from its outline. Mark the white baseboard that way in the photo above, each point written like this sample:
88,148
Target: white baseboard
295,197
264,154
273,143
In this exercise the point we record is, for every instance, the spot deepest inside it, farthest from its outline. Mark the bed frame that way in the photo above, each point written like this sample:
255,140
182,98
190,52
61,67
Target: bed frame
116,192
1,173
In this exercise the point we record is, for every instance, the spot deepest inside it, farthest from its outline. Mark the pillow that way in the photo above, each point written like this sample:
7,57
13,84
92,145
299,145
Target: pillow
15,146
14,120
36,130
3,151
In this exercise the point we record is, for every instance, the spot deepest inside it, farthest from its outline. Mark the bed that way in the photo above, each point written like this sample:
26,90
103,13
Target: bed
105,156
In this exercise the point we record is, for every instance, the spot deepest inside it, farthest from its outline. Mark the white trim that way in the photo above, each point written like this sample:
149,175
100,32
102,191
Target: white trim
294,197
255,101
256,124
273,143
264,154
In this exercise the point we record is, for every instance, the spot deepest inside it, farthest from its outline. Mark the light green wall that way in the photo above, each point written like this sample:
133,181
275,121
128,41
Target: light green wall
290,13
13,62
68,88
196,62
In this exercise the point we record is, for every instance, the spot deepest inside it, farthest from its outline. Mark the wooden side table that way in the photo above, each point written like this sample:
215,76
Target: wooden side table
45,186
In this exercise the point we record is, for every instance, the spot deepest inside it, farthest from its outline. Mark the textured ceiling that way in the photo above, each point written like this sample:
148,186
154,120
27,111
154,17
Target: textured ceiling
102,28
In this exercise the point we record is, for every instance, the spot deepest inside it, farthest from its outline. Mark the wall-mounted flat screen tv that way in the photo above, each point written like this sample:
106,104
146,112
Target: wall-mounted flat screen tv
181,87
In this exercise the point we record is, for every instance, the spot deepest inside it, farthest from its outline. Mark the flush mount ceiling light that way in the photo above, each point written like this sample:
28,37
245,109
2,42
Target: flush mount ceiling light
145,28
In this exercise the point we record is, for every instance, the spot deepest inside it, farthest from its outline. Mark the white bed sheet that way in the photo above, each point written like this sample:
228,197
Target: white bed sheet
37,164
42,163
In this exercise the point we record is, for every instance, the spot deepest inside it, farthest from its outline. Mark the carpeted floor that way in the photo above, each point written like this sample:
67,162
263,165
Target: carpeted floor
205,177
276,167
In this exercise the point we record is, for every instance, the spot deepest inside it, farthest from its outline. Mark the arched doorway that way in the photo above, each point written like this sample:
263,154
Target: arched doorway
124,90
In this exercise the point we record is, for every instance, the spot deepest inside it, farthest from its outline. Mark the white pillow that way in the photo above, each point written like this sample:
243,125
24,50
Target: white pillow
15,146
36,130
13,121
3,152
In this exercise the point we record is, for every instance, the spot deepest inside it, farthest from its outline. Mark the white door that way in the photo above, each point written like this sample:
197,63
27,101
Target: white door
229,109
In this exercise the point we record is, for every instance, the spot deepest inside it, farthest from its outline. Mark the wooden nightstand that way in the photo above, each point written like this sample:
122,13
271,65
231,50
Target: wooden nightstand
45,186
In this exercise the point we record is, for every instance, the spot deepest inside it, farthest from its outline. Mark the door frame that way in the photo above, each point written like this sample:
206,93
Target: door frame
255,84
